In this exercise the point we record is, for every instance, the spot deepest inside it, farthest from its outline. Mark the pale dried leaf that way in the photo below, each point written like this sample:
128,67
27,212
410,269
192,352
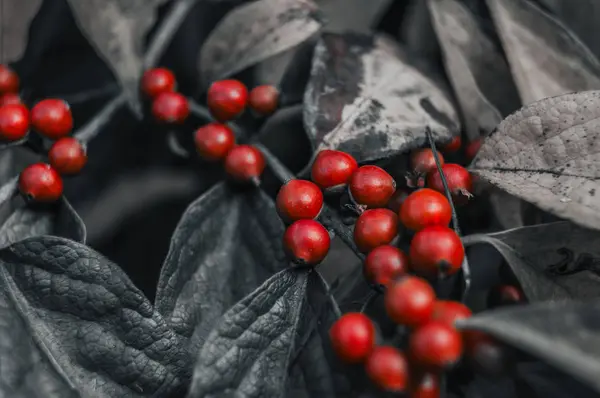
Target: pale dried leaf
540,262
548,154
367,98
545,57
15,18
254,32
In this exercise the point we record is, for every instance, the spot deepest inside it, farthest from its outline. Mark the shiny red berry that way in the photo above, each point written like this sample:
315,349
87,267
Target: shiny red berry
214,141
227,99
372,186
14,122
472,148
385,264
435,250
170,107
450,311
264,99
435,345
332,168
424,385
67,156
352,337
39,182
306,242
158,80
410,301
52,118
375,227
425,208
453,145
9,80
9,98
423,161
458,178
388,369
299,200
503,295
244,163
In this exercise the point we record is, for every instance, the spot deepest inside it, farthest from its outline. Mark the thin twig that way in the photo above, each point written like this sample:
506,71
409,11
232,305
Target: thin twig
465,265
175,146
373,295
202,112
334,305
92,94
94,126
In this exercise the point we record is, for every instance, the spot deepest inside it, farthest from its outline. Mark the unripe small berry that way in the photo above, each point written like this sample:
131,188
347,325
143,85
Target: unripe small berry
214,141
227,99
264,99
67,156
52,118
39,182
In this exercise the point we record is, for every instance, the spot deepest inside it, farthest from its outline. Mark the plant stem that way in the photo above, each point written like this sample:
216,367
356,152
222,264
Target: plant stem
466,271
334,305
203,113
175,147
94,126
91,94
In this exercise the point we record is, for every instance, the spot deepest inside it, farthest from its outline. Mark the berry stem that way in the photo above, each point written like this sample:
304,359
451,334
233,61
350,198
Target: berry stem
91,94
282,173
466,271
203,113
334,305
95,125
175,146
373,294
165,32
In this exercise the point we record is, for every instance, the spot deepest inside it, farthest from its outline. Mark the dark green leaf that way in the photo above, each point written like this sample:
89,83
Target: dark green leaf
72,324
248,352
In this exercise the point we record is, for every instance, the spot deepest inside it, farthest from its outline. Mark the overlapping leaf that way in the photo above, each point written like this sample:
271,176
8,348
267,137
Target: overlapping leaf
254,32
226,244
548,153
117,29
545,57
72,324
365,97
15,18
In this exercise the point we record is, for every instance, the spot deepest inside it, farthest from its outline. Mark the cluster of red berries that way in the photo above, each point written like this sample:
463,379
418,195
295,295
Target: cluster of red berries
51,119
227,100
470,150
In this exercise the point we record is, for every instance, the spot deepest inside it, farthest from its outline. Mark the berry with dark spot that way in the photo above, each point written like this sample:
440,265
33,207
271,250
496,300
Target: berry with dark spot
436,250
306,242
39,182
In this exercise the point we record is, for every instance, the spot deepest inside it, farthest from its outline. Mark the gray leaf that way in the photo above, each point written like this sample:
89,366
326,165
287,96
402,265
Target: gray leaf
545,57
507,208
226,244
365,97
548,154
248,352
476,68
417,33
72,324
555,261
117,30
254,32
15,18
564,334
352,15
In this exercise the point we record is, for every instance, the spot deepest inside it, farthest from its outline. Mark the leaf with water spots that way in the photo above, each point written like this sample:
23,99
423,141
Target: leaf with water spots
366,97
548,154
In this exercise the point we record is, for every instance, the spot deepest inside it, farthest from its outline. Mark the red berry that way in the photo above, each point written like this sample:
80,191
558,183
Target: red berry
490,358
41,183
410,301
264,99
397,199
52,118
453,145
472,148
227,99
436,249
9,80
9,98
244,163
425,208
435,345
67,156
372,186
170,107
450,311
214,141
306,242
14,122
424,385
503,295
158,80
332,168
458,178
388,369
423,161
384,264
298,200
375,227
352,337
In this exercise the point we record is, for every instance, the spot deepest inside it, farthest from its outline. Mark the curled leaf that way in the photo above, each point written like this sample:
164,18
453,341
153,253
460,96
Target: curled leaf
72,324
249,350
365,97
548,154
545,57
555,261
15,18
255,31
